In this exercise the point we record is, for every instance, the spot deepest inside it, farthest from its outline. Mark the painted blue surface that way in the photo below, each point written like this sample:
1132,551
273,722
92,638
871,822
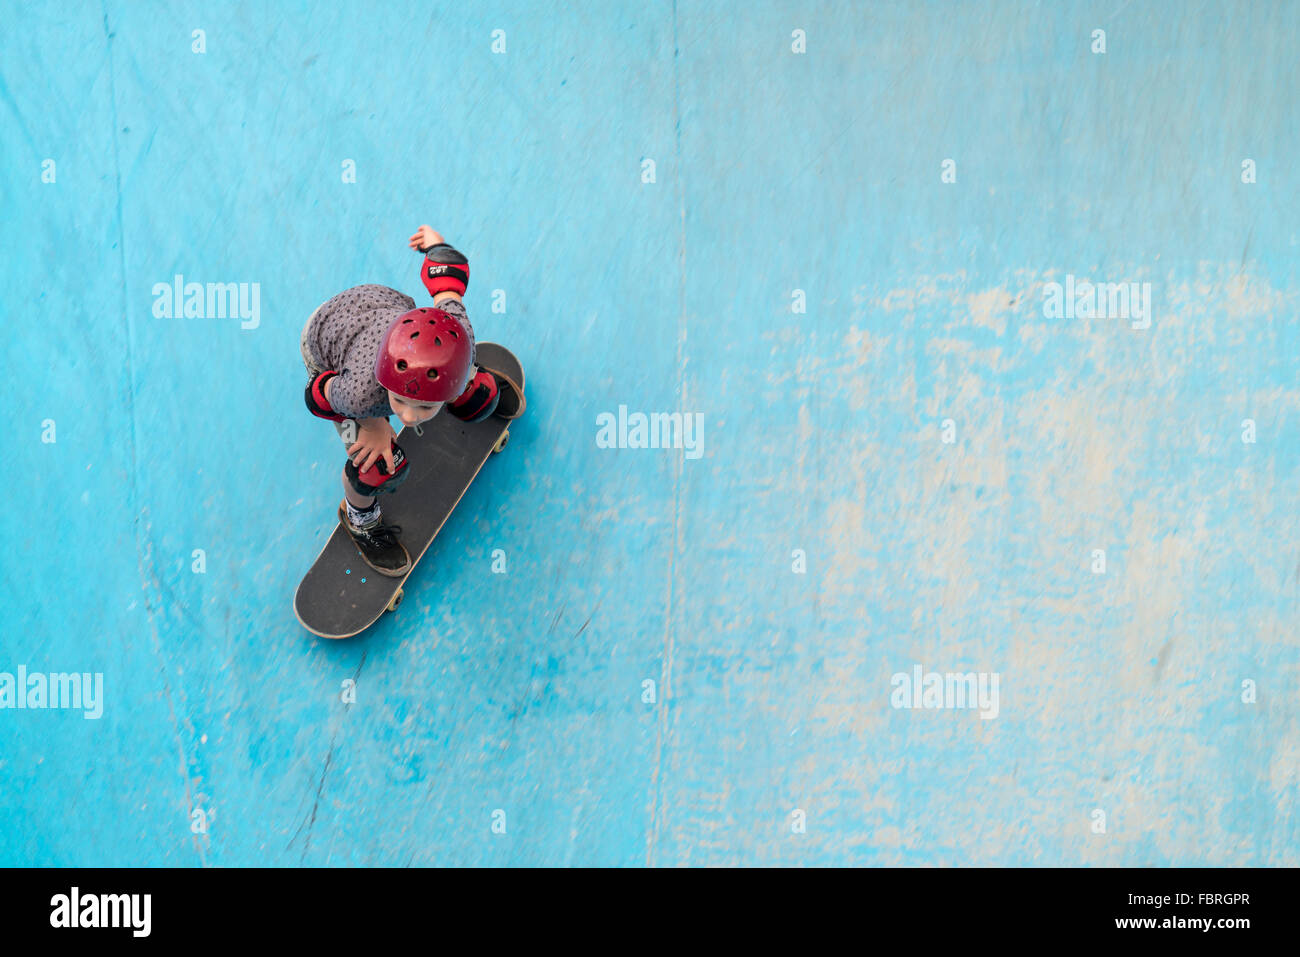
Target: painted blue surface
774,171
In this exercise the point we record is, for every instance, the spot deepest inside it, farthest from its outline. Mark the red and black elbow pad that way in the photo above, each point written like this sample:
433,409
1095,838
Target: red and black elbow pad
444,270
479,400
317,404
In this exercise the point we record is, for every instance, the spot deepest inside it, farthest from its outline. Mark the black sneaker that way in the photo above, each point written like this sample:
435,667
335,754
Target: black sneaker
378,545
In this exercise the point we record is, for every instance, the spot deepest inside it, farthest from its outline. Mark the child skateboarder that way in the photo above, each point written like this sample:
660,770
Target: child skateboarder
370,353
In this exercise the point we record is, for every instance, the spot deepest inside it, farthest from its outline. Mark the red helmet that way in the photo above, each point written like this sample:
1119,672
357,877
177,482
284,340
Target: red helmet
427,356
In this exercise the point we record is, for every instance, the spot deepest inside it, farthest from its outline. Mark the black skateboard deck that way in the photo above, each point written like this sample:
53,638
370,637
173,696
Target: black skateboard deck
341,595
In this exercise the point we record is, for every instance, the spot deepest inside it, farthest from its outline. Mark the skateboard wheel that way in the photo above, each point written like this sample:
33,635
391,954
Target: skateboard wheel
396,600
501,442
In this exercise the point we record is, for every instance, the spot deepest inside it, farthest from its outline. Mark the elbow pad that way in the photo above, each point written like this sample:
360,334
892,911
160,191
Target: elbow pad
317,404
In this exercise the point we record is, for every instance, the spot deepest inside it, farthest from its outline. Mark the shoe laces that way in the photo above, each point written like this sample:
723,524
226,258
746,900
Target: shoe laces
383,536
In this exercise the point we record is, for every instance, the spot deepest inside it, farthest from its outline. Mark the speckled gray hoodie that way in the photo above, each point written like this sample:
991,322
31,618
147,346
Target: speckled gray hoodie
344,335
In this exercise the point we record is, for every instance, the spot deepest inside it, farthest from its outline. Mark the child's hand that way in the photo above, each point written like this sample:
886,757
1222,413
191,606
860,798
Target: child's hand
374,438
425,237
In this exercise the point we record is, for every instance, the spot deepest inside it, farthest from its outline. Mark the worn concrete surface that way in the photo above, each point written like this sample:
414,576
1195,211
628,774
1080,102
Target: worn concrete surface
522,692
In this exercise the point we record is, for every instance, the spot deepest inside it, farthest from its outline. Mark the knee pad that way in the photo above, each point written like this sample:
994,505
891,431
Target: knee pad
377,478
479,400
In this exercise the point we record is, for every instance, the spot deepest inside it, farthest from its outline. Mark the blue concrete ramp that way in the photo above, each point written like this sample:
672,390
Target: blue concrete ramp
909,477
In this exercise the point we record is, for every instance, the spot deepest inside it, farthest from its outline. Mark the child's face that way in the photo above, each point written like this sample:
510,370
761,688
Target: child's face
412,413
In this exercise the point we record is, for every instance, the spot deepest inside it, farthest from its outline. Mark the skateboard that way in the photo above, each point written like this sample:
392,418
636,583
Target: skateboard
341,595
